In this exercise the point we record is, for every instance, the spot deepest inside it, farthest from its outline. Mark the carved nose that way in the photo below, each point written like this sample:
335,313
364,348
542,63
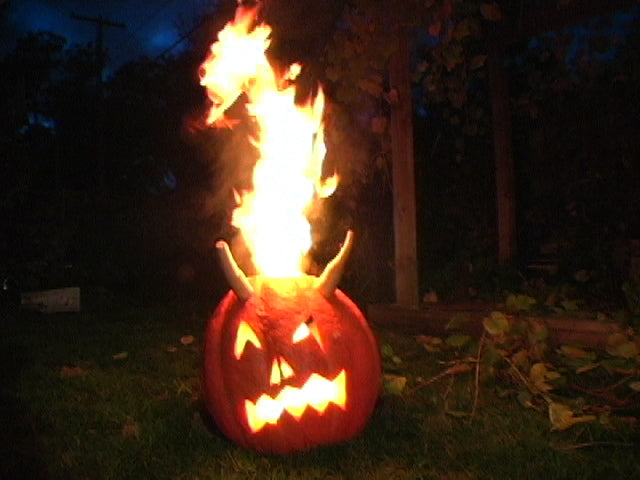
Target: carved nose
280,370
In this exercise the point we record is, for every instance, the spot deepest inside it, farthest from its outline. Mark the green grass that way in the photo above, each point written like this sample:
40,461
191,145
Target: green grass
141,417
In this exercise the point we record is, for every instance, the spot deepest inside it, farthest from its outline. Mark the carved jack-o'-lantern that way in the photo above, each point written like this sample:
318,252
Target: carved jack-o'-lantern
289,363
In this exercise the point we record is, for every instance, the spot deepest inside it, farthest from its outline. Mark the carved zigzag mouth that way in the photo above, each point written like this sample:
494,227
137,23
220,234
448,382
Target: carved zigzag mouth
317,392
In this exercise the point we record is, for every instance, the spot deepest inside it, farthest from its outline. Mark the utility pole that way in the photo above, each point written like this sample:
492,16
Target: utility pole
100,196
100,24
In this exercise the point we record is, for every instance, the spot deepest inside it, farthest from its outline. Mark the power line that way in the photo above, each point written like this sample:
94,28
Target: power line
183,37
144,23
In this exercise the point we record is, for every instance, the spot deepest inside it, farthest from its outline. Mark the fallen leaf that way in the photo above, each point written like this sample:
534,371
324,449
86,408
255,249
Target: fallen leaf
458,321
171,349
538,332
131,429
587,368
187,339
496,324
570,305
477,62
394,384
121,356
386,350
520,358
635,386
576,352
458,341
72,372
431,344
457,413
562,417
618,345
519,303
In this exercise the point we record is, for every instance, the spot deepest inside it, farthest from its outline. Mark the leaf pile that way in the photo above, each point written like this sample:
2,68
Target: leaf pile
570,384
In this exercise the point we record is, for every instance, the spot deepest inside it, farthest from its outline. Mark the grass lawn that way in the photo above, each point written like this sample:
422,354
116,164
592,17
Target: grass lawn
117,396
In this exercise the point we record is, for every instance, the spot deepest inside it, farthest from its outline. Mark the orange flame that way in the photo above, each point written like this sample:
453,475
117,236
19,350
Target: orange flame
288,174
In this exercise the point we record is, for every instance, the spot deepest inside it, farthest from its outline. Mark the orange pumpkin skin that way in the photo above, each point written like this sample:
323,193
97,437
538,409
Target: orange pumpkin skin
342,340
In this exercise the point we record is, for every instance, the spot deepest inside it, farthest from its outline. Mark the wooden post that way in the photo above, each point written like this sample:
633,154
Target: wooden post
503,152
404,198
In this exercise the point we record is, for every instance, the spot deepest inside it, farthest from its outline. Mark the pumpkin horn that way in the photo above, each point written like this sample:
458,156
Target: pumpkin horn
328,281
236,277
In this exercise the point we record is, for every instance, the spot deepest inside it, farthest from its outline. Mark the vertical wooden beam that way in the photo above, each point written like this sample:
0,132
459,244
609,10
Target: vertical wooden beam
404,197
503,152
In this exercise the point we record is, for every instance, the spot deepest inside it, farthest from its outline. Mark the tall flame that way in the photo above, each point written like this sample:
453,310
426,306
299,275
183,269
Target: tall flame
288,174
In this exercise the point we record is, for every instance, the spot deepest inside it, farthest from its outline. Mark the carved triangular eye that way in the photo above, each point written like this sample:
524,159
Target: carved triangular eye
306,328
245,334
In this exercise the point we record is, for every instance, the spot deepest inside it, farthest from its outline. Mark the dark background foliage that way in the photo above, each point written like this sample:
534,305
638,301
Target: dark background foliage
116,185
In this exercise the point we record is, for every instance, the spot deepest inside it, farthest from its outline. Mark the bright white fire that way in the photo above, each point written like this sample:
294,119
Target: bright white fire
287,175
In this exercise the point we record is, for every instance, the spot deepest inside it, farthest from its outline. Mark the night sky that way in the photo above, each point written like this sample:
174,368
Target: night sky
153,26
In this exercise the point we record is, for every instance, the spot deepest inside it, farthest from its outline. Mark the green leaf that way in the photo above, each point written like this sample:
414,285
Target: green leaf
491,355
458,341
496,323
519,303
570,305
394,384
457,321
386,350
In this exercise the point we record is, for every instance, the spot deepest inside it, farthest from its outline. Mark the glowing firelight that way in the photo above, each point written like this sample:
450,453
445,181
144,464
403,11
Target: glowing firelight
288,174
317,392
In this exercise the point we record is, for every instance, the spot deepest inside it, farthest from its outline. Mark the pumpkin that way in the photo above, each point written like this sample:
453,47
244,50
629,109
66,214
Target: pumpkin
289,363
